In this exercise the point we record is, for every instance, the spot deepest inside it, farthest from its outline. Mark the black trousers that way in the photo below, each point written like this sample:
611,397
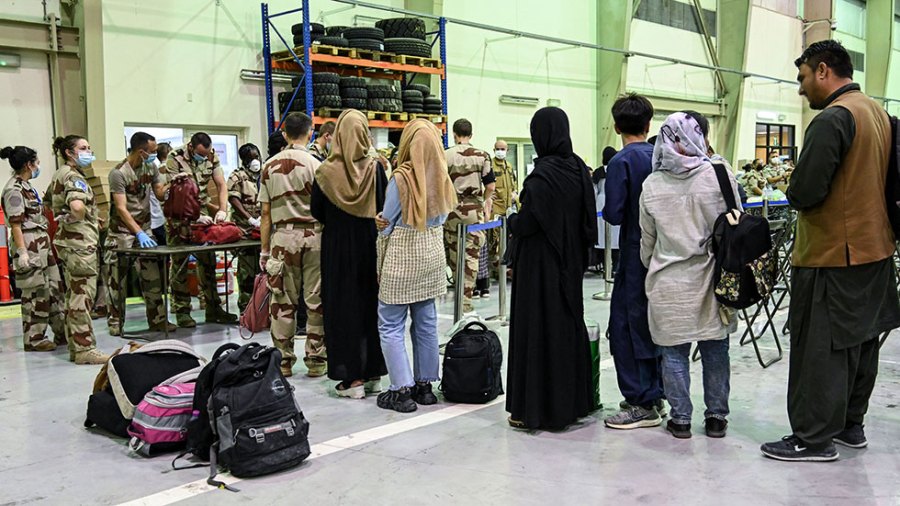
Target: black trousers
828,388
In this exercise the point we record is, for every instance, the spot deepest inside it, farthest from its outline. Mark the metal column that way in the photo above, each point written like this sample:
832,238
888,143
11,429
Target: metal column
267,65
442,33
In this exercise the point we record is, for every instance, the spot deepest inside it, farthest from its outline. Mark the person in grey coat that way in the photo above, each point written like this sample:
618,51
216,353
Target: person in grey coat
678,209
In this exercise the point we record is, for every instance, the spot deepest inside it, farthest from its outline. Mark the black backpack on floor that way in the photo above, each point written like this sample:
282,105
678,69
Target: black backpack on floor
246,417
746,261
472,361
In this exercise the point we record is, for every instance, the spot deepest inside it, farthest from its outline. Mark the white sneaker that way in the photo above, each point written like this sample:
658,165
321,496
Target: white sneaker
357,392
372,386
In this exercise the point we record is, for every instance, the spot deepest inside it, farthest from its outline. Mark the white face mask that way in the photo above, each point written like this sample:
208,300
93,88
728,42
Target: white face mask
254,166
500,154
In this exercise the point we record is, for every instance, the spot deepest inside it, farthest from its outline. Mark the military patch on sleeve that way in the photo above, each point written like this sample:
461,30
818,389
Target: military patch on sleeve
81,185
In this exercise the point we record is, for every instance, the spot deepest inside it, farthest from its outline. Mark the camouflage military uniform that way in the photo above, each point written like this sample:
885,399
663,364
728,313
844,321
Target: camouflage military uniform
76,243
751,180
287,181
135,184
317,152
39,278
242,185
178,233
469,169
507,184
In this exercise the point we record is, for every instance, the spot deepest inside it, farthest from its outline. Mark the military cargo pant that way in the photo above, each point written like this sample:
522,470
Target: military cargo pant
116,279
39,281
294,264
179,235
247,269
80,269
102,293
474,240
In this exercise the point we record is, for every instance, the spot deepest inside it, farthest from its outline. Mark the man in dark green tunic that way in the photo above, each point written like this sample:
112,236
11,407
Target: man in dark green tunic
843,286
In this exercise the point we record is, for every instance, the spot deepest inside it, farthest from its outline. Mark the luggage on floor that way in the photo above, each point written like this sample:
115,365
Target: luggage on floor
160,420
472,361
255,317
593,329
246,417
129,375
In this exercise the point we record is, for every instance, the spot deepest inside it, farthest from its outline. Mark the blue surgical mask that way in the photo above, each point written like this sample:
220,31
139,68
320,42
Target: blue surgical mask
85,158
36,172
150,159
199,158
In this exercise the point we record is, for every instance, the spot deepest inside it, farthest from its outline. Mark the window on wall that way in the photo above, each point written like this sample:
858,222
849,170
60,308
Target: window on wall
851,17
676,14
858,60
778,138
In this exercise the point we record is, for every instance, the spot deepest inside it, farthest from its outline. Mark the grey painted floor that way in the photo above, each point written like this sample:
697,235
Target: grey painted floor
46,456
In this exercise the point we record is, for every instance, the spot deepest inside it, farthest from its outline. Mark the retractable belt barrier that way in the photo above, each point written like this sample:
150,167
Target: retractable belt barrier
459,281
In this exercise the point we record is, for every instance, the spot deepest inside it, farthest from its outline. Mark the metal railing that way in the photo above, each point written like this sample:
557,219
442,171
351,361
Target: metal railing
460,278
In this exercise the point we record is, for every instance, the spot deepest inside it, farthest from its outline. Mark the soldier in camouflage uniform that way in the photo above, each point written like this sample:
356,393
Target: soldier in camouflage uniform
76,243
506,192
290,255
322,145
754,182
470,171
129,226
243,188
198,160
33,262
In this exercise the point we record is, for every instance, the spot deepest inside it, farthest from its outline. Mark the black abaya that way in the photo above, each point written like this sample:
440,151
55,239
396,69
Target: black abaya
549,377
349,288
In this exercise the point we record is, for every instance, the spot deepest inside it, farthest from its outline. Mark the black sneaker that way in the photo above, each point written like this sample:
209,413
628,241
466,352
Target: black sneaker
716,427
422,394
679,430
398,400
792,449
852,437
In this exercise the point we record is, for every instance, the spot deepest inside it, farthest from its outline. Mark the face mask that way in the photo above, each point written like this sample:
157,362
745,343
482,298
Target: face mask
150,159
36,172
85,158
199,158
501,154
774,161
254,166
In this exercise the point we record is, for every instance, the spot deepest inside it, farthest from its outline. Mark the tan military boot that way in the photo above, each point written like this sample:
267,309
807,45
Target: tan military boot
161,327
91,357
185,321
42,345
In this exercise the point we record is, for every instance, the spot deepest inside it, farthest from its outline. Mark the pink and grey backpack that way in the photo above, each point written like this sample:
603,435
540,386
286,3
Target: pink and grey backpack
160,420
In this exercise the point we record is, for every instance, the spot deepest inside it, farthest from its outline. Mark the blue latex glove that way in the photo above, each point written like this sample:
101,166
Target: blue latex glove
144,240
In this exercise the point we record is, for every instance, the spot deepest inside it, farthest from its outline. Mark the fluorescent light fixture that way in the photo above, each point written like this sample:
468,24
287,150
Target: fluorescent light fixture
767,115
554,102
515,100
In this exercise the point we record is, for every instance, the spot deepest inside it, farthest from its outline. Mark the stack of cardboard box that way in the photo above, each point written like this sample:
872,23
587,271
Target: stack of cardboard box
98,178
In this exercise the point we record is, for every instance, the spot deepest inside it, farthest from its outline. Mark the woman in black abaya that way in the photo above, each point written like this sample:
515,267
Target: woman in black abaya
549,376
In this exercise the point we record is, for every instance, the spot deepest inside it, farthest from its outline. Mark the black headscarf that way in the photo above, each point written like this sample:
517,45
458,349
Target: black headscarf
560,174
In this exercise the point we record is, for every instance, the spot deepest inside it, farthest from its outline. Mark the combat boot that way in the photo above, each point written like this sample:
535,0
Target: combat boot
42,345
216,314
185,321
90,357
164,326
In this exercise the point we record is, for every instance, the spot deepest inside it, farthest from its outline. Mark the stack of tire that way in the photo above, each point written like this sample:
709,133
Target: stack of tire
405,36
384,98
364,37
433,105
316,32
417,99
354,93
326,92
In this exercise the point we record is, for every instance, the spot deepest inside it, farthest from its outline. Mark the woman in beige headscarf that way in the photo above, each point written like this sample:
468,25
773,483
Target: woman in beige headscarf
347,194
411,265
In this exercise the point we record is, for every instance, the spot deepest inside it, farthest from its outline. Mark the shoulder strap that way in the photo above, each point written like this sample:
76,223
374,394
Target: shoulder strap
170,345
188,376
725,186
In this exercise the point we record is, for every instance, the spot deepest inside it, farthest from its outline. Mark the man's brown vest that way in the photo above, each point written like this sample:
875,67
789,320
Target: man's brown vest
851,226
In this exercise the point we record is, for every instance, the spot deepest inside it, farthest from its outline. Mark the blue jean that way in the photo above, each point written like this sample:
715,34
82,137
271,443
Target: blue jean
676,367
392,328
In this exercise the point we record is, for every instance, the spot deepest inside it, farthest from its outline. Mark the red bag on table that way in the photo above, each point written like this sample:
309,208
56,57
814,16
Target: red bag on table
216,233
183,203
255,317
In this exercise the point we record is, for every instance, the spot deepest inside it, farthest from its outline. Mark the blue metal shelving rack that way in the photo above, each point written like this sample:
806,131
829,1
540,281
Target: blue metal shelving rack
305,64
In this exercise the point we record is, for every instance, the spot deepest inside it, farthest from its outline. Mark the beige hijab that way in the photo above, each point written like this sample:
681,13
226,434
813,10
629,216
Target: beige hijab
421,175
348,175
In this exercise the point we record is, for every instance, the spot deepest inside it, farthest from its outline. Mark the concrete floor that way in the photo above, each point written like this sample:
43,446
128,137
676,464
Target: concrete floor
443,454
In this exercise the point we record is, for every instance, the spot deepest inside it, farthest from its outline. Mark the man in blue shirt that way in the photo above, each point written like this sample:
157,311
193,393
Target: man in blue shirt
635,356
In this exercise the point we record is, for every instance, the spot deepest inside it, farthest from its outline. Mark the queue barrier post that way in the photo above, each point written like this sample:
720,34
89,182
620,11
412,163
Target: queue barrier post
606,294
460,274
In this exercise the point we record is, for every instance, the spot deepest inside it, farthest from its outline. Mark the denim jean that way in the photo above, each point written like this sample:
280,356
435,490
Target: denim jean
676,367
392,328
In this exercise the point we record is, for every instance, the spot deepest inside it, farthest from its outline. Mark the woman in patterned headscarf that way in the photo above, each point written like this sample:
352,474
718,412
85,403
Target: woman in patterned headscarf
347,194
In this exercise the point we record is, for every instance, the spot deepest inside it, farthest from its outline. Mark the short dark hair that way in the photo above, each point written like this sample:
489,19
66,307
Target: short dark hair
830,52
701,120
201,139
245,153
327,128
632,113
462,127
140,140
296,125
163,149
608,153
18,157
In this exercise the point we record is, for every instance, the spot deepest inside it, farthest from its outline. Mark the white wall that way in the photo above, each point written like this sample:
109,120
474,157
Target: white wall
773,45
27,10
